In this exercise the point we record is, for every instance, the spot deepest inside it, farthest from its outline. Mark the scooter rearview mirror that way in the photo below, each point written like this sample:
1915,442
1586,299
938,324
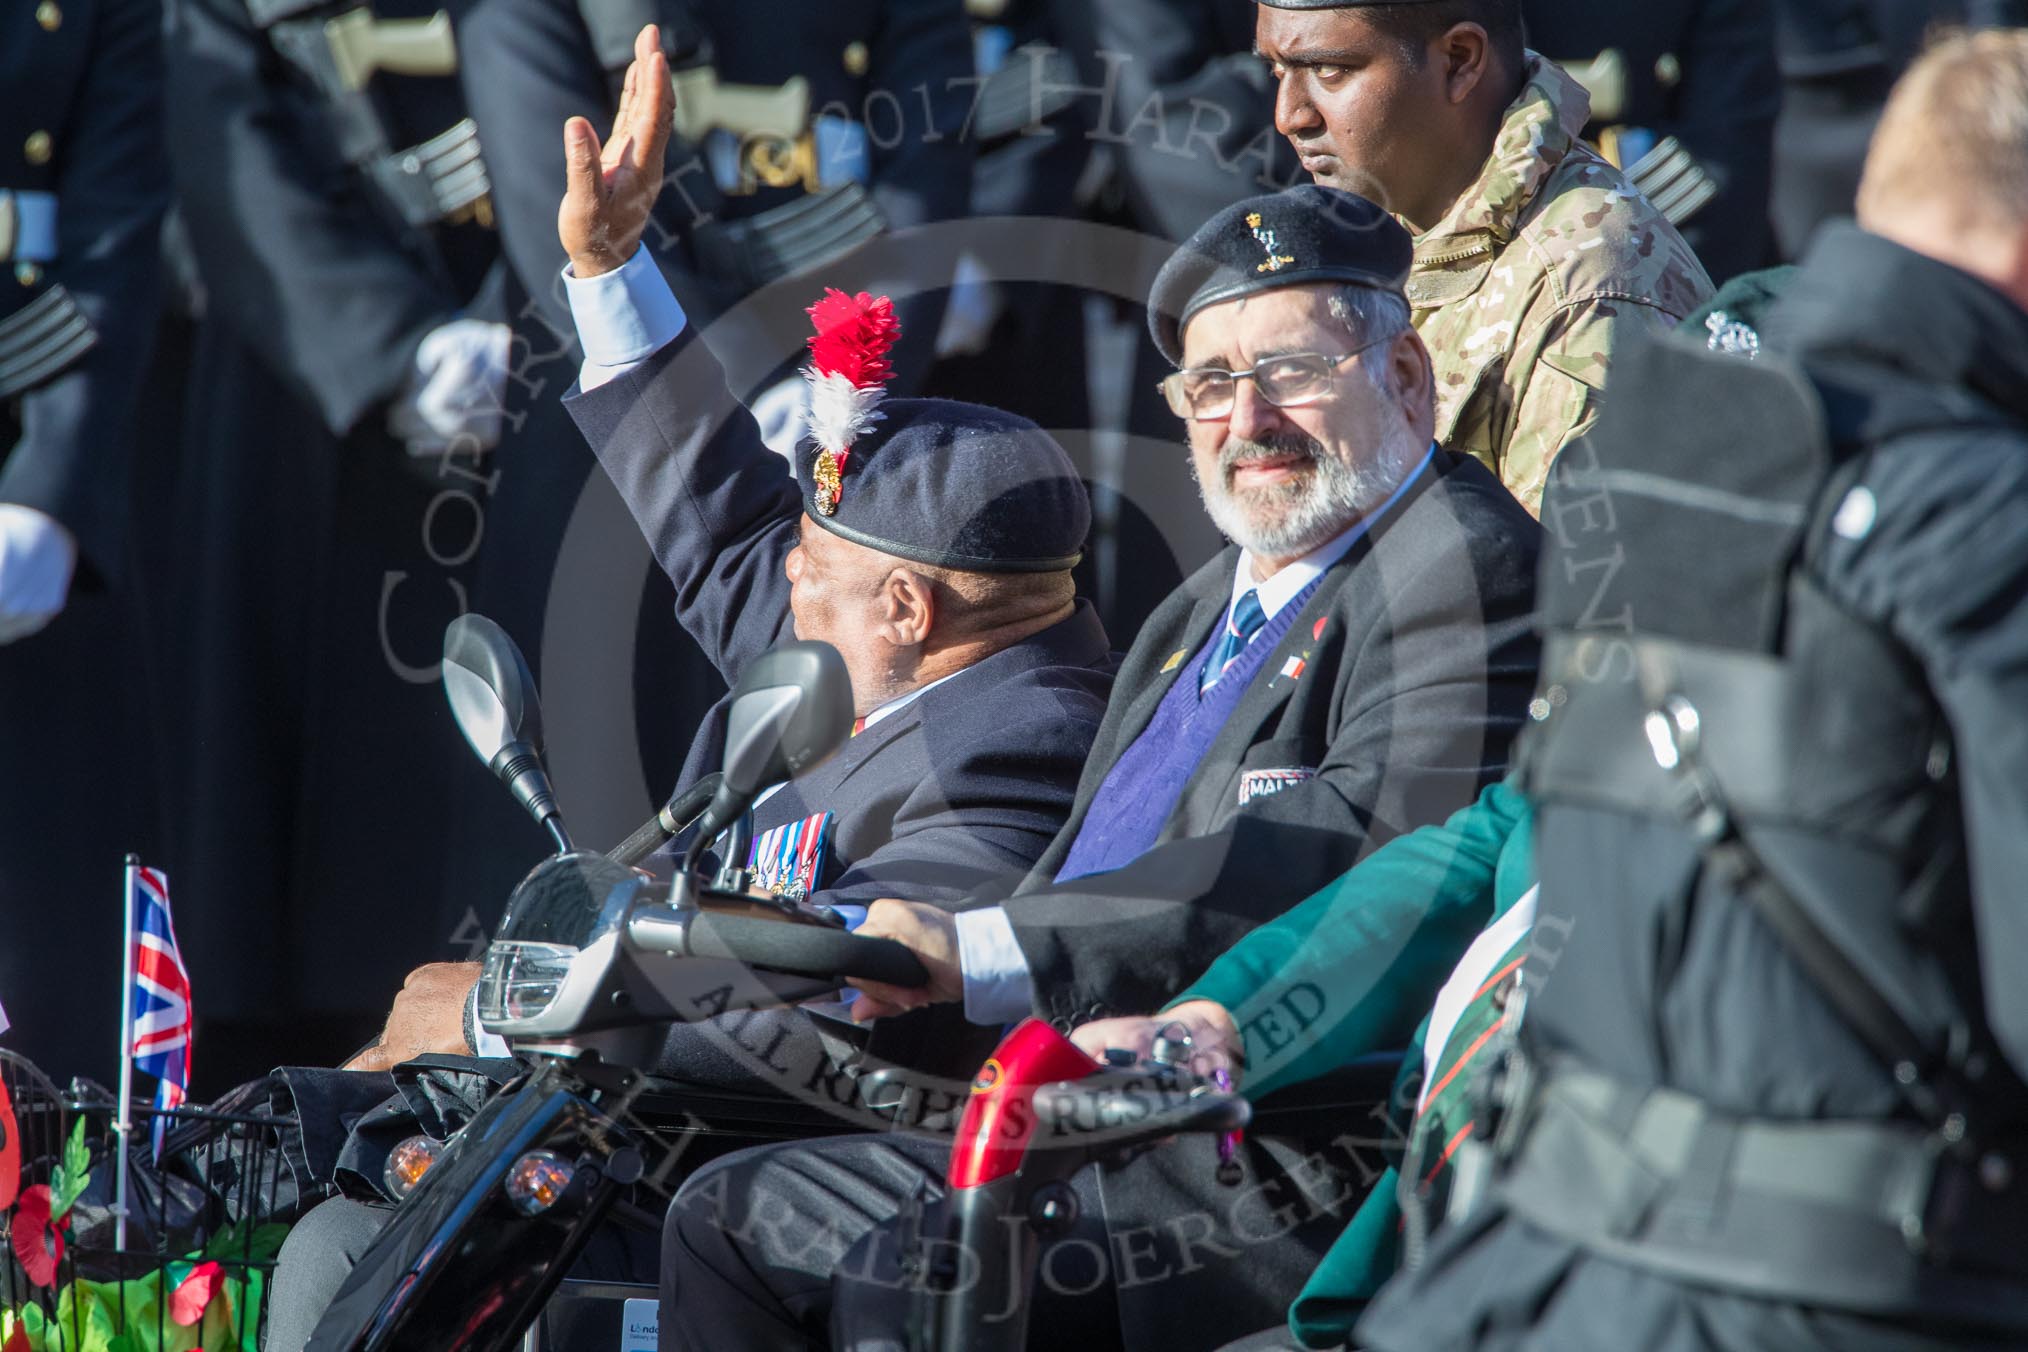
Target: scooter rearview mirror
791,708
493,698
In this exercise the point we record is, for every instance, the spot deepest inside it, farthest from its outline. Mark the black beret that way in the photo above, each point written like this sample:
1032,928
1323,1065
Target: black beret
1300,237
956,485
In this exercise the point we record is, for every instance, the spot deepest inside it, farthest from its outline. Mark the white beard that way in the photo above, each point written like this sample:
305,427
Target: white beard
1291,520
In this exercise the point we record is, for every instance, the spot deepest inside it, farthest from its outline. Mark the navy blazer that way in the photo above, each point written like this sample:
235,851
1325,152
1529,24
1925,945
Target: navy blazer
1418,661
969,782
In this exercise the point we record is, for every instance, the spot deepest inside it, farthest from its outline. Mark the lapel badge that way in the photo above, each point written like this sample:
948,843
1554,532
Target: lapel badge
1317,629
1276,259
1175,660
1261,783
1293,668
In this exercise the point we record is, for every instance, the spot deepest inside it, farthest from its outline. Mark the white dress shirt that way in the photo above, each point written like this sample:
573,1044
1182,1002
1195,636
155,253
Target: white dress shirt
998,984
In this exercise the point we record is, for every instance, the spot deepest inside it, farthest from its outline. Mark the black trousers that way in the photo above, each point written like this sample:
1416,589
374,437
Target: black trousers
787,1247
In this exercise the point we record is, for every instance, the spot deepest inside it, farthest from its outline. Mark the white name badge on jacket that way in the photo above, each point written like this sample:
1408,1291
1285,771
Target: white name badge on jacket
1260,783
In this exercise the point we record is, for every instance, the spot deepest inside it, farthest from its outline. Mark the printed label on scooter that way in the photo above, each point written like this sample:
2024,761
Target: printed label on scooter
637,1323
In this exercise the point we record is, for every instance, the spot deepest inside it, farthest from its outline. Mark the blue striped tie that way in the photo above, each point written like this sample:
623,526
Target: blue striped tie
1246,619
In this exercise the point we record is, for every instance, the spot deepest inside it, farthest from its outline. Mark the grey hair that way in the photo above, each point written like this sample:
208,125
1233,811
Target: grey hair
1369,313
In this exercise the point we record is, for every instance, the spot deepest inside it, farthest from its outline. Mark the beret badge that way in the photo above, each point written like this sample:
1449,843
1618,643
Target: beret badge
848,375
1276,259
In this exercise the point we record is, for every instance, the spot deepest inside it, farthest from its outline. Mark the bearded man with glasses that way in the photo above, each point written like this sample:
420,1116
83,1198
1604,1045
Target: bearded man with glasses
1353,667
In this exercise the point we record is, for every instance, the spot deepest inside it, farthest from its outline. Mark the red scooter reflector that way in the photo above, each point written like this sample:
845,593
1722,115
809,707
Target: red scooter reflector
999,1119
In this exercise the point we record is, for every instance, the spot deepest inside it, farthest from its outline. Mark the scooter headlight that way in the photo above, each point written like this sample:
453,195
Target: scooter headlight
536,1180
562,907
521,979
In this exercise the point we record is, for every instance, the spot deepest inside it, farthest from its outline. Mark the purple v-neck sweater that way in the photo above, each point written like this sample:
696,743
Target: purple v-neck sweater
1146,783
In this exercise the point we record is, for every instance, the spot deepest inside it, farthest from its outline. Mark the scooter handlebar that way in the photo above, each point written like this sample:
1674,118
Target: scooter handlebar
1122,1109
777,945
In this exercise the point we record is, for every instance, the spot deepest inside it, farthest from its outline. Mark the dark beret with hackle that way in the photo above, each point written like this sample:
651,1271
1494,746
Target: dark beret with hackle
956,485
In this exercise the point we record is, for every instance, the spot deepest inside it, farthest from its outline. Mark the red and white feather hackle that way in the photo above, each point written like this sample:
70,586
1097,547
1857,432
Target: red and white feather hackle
848,375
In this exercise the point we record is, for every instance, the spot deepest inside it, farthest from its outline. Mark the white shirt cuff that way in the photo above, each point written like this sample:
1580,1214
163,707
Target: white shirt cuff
623,317
998,985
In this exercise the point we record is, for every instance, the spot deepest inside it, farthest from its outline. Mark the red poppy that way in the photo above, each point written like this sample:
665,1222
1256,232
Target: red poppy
38,1244
194,1293
17,1341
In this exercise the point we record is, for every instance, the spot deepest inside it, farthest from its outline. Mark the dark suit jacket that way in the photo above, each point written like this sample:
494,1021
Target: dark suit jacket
971,780
93,86
1420,661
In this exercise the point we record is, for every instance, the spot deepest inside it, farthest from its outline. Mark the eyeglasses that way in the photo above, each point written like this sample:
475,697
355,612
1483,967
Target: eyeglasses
1206,393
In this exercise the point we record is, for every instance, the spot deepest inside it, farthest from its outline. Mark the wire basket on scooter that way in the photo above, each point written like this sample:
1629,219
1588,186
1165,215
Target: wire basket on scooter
202,1222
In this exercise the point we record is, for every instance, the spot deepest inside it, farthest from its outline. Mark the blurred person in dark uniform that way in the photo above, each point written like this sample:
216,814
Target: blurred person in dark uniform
1182,113
1699,71
352,369
1770,1089
82,192
1839,59
1023,344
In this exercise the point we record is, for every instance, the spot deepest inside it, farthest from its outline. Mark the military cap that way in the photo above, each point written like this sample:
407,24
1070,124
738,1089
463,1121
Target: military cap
955,485
1299,237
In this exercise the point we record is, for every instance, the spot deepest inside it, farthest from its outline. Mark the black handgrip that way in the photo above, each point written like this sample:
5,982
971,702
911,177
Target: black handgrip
806,950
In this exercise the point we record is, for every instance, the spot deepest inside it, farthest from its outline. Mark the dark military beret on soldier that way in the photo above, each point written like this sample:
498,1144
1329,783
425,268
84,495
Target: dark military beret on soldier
1300,237
938,482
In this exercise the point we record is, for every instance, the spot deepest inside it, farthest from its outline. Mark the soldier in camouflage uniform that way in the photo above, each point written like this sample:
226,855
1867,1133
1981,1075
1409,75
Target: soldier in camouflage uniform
1526,269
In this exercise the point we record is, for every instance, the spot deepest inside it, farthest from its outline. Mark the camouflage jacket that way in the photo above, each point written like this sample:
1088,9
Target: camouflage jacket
1522,290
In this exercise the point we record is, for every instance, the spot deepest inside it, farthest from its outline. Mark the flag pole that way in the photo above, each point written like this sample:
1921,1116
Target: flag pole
121,1113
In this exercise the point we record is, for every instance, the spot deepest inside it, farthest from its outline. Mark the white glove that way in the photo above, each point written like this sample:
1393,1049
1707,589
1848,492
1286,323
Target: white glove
970,313
456,396
783,411
37,558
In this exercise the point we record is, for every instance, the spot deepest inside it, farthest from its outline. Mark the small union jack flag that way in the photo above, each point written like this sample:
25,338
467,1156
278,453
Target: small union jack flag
160,1037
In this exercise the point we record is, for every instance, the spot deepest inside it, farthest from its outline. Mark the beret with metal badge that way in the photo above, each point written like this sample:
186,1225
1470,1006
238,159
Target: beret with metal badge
934,481
1304,236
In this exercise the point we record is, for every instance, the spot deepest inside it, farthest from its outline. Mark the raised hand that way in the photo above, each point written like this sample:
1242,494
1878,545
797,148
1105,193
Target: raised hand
610,190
